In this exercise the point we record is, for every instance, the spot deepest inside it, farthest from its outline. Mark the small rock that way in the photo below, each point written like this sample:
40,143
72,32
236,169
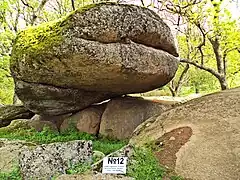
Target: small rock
98,155
172,138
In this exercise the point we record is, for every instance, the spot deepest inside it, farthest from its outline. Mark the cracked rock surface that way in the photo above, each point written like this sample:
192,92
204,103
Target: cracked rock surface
45,161
98,52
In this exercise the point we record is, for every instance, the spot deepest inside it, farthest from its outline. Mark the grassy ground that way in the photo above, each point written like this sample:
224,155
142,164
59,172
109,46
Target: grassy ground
143,167
46,136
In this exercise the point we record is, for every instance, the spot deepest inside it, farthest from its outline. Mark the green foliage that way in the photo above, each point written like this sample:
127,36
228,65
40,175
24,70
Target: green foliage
209,38
47,136
176,178
14,175
36,40
79,168
145,166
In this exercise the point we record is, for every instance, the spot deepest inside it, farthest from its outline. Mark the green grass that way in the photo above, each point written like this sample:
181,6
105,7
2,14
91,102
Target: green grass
176,178
145,166
79,168
14,175
46,136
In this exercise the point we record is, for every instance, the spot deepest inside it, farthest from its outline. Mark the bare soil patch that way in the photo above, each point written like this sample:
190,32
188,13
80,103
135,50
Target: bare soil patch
169,144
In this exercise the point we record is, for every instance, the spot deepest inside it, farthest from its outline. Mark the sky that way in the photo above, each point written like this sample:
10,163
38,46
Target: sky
233,7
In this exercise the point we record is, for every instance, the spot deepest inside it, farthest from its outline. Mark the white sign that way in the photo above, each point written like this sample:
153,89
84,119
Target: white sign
114,165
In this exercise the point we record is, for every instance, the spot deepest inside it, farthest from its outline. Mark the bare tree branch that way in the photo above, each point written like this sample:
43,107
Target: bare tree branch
73,6
27,4
39,9
213,72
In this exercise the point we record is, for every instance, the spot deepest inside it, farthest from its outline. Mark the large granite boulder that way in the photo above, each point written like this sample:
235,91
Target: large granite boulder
199,139
87,120
11,112
47,160
42,161
97,52
123,115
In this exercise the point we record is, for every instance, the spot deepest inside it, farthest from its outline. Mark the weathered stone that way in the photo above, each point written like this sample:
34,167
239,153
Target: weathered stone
123,115
23,124
56,120
39,125
11,112
45,161
87,120
53,101
93,176
207,137
97,52
9,151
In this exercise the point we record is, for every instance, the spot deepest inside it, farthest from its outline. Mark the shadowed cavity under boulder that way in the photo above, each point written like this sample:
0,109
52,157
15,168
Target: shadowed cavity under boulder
96,53
11,112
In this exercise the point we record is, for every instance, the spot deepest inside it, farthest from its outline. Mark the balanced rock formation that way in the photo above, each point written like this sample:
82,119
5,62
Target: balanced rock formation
98,52
199,139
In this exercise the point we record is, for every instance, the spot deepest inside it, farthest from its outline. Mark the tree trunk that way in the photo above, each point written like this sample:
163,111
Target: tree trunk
172,92
223,83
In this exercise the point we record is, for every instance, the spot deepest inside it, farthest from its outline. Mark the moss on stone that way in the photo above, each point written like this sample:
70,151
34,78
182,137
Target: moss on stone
37,39
16,125
42,38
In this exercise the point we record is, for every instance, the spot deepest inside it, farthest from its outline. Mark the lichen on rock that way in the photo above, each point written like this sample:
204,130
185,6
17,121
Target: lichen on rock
45,161
42,38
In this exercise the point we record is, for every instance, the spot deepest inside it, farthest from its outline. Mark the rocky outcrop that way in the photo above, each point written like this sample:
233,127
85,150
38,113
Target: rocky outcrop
48,100
123,115
56,120
115,119
42,161
45,161
24,124
199,139
9,153
96,53
87,120
11,112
